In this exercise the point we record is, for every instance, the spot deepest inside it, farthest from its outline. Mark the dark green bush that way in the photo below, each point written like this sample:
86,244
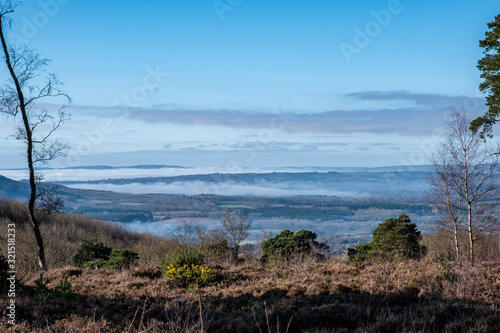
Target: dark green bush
41,288
91,250
394,239
95,254
122,258
97,263
219,252
287,244
185,256
61,291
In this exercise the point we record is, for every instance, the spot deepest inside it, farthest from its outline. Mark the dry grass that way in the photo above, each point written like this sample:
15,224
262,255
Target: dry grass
317,297
63,234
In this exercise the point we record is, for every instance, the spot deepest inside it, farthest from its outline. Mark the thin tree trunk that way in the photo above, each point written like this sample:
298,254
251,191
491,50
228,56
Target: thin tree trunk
469,203
29,141
457,248
471,237
453,218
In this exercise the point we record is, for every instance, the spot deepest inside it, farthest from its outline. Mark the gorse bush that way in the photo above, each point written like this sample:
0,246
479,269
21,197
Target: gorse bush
185,256
190,275
185,266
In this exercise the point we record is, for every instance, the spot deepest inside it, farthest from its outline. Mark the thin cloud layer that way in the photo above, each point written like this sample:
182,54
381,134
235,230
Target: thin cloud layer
421,117
432,100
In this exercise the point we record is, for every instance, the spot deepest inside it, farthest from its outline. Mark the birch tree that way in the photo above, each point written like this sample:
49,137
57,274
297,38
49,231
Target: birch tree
18,100
463,183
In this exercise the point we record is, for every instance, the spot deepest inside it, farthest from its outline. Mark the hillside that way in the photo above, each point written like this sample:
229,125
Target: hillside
13,189
299,295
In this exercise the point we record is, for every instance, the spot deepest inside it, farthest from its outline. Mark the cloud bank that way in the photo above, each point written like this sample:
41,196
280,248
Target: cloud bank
420,115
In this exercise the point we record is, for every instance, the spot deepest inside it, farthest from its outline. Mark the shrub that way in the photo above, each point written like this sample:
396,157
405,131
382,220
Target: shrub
288,244
360,253
394,239
90,251
217,249
219,252
123,258
190,275
185,256
185,266
41,288
95,254
97,263
61,291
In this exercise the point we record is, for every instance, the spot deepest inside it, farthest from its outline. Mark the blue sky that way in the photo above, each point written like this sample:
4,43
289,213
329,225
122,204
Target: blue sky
242,84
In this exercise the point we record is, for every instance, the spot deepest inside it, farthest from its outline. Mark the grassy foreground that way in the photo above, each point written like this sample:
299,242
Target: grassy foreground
334,296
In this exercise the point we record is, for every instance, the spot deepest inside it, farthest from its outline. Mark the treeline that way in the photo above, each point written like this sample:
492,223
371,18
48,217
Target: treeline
273,177
122,207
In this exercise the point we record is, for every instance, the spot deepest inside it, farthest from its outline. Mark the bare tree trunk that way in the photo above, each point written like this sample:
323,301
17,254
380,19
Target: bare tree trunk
457,247
471,236
454,219
31,213
29,141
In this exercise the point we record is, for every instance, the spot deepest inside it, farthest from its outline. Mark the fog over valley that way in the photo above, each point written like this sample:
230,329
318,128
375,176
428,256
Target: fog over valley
343,205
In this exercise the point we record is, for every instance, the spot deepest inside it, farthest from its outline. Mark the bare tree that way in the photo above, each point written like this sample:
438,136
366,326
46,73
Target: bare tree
18,99
462,181
187,233
236,227
441,194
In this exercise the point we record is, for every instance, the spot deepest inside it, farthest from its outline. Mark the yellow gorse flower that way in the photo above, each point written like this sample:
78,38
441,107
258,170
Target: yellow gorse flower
190,274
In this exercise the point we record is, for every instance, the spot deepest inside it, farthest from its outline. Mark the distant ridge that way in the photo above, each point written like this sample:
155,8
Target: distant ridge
394,168
145,166
108,167
12,189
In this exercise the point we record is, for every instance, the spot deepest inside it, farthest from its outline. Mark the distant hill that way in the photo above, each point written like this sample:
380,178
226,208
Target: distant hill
107,167
13,189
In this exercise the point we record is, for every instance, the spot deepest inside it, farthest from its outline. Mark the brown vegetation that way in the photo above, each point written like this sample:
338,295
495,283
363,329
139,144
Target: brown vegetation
64,233
317,297
299,296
